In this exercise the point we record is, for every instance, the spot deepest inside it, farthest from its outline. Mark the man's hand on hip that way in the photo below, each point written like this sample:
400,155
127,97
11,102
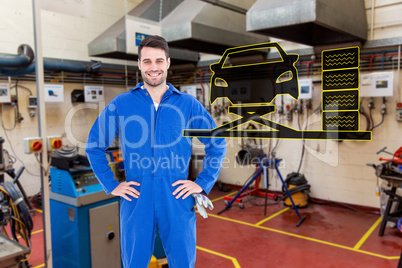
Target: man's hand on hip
186,188
124,189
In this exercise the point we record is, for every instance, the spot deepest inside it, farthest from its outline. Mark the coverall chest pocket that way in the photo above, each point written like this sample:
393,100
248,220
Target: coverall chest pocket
180,146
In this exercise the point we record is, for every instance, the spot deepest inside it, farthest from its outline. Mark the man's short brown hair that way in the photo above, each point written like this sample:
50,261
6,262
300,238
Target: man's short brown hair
154,41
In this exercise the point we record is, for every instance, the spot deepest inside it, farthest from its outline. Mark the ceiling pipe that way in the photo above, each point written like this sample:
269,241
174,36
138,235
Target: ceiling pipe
372,21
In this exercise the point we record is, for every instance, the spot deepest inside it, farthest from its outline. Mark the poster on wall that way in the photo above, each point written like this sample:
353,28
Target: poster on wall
191,89
5,93
379,84
94,93
54,93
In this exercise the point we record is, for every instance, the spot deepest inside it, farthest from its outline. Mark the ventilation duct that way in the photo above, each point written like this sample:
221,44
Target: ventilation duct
309,22
203,27
23,64
119,41
25,57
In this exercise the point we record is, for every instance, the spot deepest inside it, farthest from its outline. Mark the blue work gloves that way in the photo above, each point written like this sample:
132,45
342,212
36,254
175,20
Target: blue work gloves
202,202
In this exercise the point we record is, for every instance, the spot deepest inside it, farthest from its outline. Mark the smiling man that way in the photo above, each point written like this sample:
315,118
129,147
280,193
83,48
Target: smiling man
154,75
149,120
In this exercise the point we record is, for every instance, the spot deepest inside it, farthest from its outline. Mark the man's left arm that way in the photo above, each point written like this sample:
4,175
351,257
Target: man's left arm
215,150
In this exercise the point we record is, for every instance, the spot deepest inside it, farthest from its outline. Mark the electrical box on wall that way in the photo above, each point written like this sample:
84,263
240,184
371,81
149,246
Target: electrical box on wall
305,89
32,105
5,93
399,112
32,102
33,145
54,143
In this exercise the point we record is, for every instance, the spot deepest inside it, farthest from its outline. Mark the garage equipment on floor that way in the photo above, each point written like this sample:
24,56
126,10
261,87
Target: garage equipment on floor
84,220
391,171
265,163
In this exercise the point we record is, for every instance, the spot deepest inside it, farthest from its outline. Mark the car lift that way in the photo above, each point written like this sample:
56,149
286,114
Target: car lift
264,164
257,113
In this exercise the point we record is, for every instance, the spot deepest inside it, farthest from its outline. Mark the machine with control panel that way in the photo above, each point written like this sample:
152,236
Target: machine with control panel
84,220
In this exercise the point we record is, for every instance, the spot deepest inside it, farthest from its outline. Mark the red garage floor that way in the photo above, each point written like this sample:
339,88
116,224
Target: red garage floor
329,237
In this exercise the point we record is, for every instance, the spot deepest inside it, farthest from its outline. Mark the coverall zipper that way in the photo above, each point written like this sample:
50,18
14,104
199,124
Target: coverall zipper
153,150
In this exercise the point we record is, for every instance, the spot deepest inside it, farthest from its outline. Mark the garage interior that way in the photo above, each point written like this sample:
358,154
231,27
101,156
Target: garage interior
61,64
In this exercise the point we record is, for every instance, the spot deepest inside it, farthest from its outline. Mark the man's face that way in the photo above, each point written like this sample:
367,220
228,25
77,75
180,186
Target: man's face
153,65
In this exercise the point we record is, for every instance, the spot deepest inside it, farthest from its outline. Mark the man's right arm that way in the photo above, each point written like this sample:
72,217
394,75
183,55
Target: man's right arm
101,136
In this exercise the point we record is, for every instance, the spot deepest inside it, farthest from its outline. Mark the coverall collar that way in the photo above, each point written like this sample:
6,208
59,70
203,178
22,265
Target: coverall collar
171,89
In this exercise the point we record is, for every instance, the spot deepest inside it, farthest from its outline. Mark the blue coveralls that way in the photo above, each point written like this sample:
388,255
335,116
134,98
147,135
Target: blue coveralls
155,154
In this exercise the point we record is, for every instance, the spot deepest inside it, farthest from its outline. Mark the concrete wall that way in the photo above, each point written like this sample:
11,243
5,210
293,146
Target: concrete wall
336,171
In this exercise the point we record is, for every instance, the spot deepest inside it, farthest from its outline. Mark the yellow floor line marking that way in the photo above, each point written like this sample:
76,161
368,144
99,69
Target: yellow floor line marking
38,231
234,260
38,210
232,220
272,216
219,198
307,238
367,234
41,265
